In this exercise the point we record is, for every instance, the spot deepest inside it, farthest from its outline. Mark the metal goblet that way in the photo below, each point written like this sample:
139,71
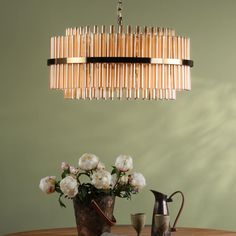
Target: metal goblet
138,221
162,223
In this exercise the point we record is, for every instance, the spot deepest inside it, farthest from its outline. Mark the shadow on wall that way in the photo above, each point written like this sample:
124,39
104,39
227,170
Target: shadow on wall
198,154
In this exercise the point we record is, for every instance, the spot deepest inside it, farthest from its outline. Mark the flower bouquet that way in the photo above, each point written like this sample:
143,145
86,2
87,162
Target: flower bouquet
93,190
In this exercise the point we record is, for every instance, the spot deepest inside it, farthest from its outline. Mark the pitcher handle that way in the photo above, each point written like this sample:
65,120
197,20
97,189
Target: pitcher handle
173,229
110,222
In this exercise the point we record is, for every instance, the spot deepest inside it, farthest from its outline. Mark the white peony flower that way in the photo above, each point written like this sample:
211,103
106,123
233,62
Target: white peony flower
69,186
101,179
137,180
73,170
88,161
124,163
64,166
124,180
47,184
101,166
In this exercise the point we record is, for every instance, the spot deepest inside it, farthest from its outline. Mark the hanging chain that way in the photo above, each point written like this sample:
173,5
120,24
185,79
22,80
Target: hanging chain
119,13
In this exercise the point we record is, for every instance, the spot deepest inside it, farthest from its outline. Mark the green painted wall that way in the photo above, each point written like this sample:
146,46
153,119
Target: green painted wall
188,144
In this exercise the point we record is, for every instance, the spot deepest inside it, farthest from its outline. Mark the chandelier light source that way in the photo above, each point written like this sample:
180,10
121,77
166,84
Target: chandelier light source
123,62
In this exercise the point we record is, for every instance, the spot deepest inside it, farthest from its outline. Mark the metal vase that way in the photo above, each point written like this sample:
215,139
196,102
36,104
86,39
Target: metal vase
89,221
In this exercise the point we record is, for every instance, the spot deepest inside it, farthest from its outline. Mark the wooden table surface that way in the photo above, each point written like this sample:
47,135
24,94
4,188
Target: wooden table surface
127,231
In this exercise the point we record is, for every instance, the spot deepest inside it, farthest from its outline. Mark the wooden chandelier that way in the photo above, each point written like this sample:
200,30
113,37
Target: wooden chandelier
108,62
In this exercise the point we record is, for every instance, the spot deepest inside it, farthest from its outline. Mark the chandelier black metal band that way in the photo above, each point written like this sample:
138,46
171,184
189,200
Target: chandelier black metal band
133,60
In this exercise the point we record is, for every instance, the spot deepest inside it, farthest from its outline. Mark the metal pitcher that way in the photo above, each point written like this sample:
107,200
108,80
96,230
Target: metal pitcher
161,208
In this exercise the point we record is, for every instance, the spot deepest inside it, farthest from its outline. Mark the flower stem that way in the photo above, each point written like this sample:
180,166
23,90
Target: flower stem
117,181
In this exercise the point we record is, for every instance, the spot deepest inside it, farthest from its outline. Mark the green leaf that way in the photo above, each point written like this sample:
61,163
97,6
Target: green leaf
65,173
58,190
115,171
60,201
84,173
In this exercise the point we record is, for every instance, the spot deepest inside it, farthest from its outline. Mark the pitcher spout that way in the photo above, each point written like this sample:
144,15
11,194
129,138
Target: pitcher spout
159,196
